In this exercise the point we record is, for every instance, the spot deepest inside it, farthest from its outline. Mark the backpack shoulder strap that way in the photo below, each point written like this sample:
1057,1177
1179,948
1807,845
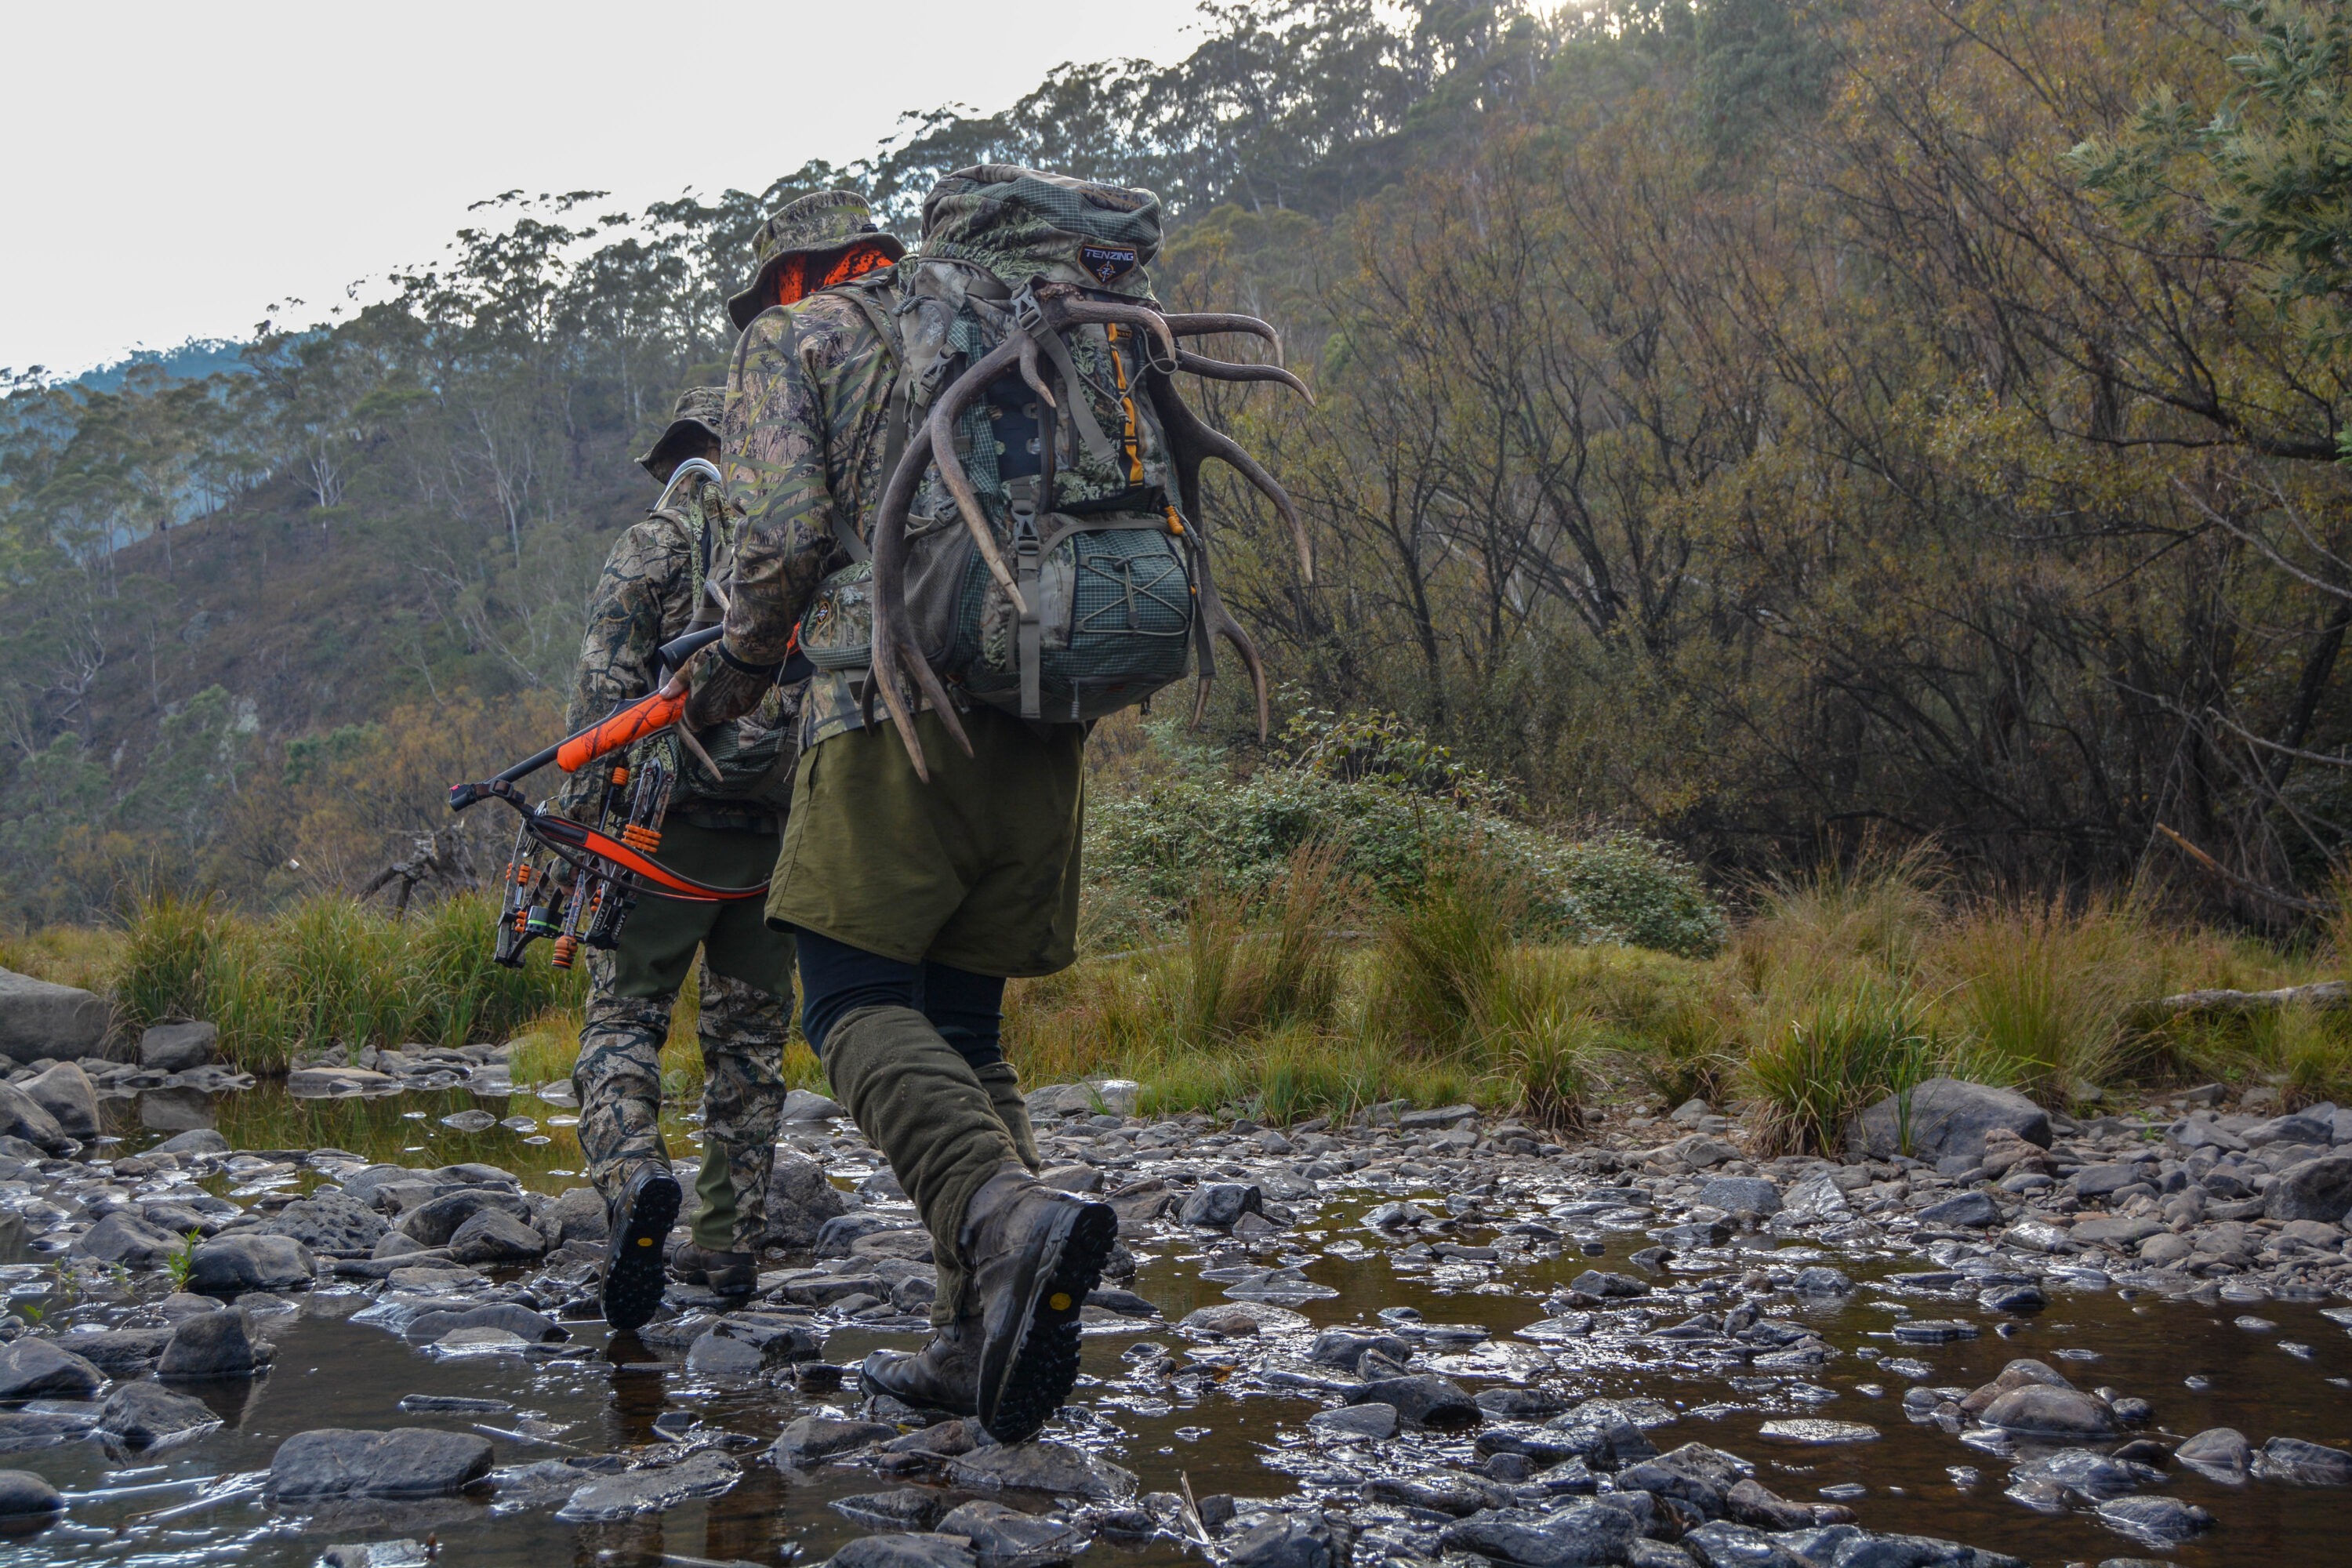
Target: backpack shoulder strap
896,424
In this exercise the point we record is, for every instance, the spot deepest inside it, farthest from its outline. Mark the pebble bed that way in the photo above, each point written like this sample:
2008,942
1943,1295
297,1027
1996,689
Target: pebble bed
1420,1337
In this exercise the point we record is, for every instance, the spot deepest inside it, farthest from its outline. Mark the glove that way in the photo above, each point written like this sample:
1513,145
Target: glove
718,691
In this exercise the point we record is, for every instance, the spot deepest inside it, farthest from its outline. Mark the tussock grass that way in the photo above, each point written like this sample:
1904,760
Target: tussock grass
327,974
1306,993
1839,1051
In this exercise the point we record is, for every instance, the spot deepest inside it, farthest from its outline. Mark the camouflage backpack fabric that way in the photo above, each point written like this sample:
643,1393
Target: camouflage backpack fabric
1091,604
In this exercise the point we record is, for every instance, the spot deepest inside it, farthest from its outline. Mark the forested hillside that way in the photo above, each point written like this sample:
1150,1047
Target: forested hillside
1769,424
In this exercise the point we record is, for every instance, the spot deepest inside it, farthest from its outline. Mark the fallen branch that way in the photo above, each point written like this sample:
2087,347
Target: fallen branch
2327,995
2246,884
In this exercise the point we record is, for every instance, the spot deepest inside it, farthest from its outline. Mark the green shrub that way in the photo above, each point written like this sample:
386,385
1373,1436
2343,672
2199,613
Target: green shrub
1386,809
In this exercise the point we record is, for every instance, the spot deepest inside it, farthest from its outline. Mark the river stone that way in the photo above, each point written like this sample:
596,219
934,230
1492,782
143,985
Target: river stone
806,1105
1974,1210
1603,1285
1424,1399
429,1328
37,1368
705,1473
232,1264
328,1221
1948,1119
1285,1541
435,1223
333,1083
123,1352
194,1141
2154,1520
908,1507
22,1117
1818,1196
493,1235
401,1553
813,1437
904,1551
405,1462
1821,1281
2042,1411
717,1354
124,1238
141,1414
65,1092
1741,1196
1218,1205
2317,1189
24,1495
1583,1534
1814,1429
38,1020
1042,1466
1373,1420
212,1344
1006,1535
2120,1231
2219,1454
177,1048
2306,1464
1720,1543
2088,1473
578,1213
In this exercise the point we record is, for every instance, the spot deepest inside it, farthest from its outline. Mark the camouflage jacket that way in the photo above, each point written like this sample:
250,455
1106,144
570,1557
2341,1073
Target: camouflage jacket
646,596
806,432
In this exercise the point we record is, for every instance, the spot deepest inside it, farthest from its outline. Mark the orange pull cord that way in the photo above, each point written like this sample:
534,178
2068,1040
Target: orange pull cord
1132,439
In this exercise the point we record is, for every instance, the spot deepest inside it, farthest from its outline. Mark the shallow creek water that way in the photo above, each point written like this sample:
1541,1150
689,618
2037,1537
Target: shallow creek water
1233,1434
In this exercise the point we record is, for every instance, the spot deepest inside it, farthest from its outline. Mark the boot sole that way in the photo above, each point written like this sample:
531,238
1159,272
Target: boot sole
634,1267
1036,1377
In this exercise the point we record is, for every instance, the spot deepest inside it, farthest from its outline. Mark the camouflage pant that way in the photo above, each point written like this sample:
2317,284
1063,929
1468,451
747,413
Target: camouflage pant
618,1080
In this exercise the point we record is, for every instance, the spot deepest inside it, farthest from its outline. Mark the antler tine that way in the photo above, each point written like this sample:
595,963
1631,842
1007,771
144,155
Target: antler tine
1033,370
1196,440
890,647
1230,630
1229,370
1206,323
950,406
1061,311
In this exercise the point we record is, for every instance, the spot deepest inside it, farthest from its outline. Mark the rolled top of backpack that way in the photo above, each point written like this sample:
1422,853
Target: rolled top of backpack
1023,224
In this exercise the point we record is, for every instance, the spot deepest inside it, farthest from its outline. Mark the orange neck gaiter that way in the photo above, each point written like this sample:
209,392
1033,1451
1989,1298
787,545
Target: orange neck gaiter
804,274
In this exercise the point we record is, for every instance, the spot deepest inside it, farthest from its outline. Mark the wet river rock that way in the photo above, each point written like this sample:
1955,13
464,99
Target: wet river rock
143,1415
406,1462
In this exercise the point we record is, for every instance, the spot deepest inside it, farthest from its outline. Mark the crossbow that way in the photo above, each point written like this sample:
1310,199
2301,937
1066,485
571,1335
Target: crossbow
575,883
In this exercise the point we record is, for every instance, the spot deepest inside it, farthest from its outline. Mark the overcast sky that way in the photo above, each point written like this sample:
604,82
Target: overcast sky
173,169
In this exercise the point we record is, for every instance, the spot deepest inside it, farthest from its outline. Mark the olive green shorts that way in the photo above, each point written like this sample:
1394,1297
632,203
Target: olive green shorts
659,940
977,869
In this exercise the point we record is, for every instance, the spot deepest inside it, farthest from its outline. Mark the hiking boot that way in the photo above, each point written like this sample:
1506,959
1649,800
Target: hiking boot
640,1223
727,1273
942,1375
1031,1252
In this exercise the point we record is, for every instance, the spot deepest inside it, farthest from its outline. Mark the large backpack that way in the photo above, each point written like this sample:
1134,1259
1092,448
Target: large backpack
1099,595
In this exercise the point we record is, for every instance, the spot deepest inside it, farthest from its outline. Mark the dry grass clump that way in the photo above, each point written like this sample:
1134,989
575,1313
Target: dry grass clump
2038,997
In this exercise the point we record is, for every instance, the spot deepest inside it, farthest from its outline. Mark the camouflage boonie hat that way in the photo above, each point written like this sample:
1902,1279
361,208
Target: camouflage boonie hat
822,225
1023,224
693,423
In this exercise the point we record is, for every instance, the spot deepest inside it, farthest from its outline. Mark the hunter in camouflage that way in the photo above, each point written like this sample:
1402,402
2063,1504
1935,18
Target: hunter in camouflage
657,582
912,903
